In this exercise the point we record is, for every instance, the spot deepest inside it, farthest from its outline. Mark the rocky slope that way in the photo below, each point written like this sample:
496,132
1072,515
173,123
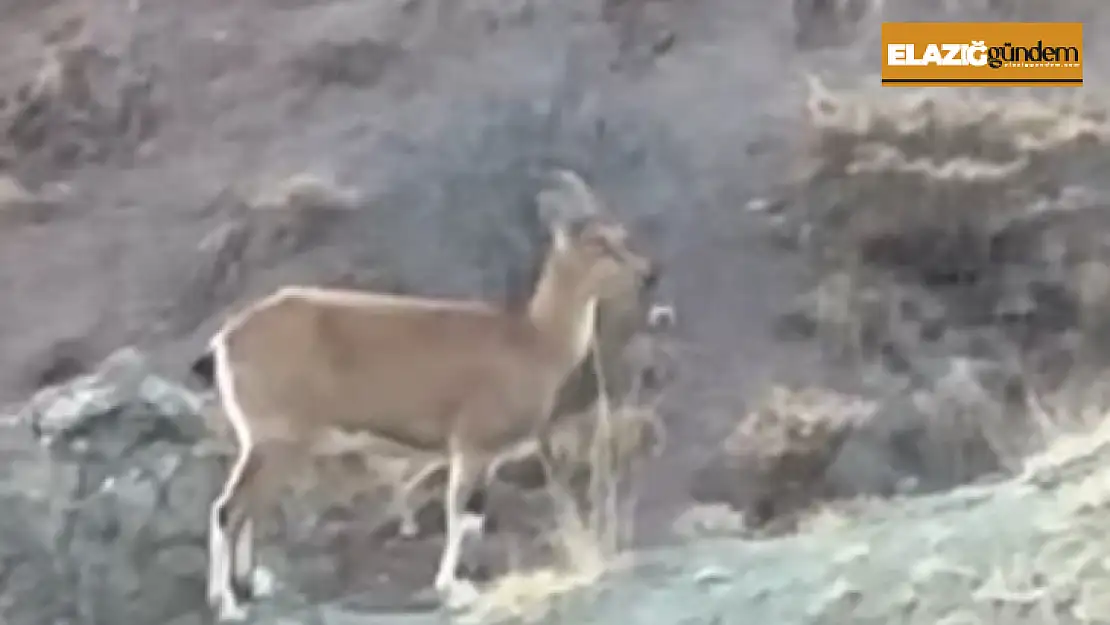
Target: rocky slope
161,161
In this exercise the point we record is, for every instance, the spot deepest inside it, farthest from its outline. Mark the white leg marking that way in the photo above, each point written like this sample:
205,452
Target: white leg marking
220,551
462,594
455,592
231,611
449,559
217,564
219,572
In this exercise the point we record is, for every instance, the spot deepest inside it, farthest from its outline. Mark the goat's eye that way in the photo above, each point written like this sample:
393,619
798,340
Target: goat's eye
598,243
608,248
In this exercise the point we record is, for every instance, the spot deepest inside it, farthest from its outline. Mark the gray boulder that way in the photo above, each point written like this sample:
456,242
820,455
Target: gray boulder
105,500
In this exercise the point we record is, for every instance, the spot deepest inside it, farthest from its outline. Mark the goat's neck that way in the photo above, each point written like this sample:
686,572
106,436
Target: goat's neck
563,311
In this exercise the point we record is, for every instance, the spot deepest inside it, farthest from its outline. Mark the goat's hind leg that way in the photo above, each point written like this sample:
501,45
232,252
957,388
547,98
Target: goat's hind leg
228,515
405,504
249,581
259,472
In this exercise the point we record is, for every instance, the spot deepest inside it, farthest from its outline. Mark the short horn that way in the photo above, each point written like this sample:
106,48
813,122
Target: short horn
581,191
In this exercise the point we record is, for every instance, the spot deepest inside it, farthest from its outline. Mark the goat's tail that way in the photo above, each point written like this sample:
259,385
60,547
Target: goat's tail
204,368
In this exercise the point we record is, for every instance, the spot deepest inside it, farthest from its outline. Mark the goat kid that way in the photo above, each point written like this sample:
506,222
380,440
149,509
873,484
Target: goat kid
466,379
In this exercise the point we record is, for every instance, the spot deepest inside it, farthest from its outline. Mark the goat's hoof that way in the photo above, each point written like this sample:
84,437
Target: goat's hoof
214,594
231,611
458,594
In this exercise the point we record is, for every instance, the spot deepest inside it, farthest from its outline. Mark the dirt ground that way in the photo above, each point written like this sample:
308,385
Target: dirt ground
433,114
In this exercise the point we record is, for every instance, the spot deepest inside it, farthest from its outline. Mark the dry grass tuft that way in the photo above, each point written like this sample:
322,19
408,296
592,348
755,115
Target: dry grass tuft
530,595
1074,428
633,433
586,546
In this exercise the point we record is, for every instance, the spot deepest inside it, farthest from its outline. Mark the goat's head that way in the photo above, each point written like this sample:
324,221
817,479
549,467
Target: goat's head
589,242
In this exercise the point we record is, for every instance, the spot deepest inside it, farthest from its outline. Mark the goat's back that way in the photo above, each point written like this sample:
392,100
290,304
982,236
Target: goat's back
400,367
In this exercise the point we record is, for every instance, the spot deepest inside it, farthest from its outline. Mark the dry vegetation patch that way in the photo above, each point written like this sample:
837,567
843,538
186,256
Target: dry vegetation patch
958,248
959,243
263,222
772,467
85,104
19,206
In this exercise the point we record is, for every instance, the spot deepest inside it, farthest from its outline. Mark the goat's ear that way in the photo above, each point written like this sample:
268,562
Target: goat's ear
565,206
551,208
577,190
553,211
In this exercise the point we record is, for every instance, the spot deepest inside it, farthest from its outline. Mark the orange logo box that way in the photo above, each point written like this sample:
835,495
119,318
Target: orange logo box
982,54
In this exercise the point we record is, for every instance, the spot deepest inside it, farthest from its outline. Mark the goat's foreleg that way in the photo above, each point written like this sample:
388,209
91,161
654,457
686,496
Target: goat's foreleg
465,471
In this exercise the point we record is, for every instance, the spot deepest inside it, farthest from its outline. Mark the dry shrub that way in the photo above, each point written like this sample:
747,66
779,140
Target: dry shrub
773,464
266,222
970,198
961,243
85,104
793,433
925,180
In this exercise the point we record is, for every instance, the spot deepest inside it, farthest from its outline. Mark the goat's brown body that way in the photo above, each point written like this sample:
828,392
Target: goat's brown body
461,377
403,368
